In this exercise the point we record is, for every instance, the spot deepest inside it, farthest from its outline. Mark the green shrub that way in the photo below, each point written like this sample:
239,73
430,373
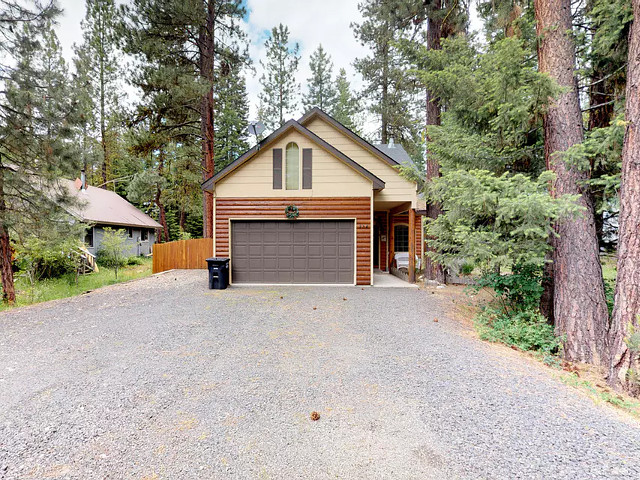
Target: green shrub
518,291
466,269
111,252
134,261
47,258
609,293
527,330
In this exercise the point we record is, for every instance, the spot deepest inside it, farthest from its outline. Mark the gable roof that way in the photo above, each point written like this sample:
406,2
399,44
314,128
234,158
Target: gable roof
316,112
97,205
208,184
395,151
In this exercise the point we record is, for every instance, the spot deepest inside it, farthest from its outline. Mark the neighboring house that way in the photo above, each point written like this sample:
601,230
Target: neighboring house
100,208
354,208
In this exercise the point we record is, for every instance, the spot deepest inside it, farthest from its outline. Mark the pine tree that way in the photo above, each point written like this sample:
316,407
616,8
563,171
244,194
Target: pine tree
346,106
37,119
99,75
181,43
389,90
579,304
279,96
624,333
232,107
321,89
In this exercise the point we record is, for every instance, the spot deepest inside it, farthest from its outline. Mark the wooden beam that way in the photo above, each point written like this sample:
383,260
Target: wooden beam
412,245
391,239
400,208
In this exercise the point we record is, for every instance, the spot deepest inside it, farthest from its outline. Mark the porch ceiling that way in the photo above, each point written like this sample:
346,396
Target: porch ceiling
387,206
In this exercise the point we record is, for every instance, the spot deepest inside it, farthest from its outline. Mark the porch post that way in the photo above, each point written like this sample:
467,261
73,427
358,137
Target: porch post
412,245
391,238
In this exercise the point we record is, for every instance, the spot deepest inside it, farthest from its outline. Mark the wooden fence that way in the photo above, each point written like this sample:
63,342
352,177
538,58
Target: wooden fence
182,254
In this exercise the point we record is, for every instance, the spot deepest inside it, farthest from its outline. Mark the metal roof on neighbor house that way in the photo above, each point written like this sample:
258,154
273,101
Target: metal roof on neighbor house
97,205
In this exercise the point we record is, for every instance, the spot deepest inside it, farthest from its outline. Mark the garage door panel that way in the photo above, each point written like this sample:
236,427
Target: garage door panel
301,251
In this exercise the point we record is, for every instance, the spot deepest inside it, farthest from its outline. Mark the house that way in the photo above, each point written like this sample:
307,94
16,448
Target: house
100,208
314,203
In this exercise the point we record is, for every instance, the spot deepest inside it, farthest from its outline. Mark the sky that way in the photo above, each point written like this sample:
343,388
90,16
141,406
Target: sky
310,22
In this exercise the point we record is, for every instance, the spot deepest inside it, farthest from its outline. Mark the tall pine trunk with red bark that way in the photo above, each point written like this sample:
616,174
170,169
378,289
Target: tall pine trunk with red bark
579,303
8,287
206,46
624,369
433,270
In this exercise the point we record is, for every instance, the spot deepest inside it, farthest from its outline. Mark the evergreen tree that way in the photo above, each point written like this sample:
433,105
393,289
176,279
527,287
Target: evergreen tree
579,304
180,44
624,332
321,89
346,108
390,92
99,73
279,96
37,116
232,107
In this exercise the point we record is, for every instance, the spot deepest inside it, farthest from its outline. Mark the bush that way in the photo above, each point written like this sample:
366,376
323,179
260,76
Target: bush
466,269
518,291
111,253
527,330
42,258
134,261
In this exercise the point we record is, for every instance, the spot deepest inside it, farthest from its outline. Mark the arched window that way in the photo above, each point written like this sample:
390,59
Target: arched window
292,167
401,238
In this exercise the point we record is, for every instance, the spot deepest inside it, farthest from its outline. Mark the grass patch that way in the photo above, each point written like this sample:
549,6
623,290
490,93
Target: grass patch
66,286
598,395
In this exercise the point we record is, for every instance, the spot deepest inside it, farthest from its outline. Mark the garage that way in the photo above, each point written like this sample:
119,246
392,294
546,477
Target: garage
292,251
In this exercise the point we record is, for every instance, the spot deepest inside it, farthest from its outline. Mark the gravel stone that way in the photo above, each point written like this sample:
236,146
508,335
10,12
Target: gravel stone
163,378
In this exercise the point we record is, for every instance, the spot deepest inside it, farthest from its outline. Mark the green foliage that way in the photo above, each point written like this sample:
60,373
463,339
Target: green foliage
112,248
633,338
610,293
390,94
346,108
279,96
134,261
527,330
231,110
494,221
467,269
519,290
321,89
42,258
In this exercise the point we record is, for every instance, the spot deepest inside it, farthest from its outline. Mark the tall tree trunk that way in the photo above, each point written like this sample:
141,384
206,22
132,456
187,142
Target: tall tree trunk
579,302
8,288
384,137
103,127
158,200
207,53
627,297
433,270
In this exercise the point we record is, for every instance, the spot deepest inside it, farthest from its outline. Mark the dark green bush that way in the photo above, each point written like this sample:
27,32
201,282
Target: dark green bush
466,269
42,259
518,291
527,330
134,260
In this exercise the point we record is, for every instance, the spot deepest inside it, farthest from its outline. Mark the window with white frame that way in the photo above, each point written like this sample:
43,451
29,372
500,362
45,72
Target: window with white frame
292,167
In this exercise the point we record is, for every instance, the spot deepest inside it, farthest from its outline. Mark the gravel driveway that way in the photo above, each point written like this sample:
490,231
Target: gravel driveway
164,379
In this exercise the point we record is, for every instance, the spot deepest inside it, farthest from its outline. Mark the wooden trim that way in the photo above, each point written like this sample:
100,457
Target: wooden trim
412,245
400,208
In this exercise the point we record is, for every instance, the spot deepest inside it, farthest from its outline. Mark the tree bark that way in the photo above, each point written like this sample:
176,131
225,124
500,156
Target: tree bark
207,53
579,302
433,270
627,296
8,287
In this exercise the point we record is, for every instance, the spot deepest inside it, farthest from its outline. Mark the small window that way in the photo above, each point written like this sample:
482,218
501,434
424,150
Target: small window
144,235
292,167
130,232
88,237
401,238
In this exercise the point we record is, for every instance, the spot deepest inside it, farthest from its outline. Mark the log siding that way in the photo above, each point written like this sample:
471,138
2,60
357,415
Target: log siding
358,208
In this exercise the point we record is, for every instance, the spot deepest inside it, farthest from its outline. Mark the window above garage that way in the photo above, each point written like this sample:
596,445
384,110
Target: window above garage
296,170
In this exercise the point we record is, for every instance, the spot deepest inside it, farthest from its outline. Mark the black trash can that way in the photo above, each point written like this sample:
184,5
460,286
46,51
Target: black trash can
218,272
